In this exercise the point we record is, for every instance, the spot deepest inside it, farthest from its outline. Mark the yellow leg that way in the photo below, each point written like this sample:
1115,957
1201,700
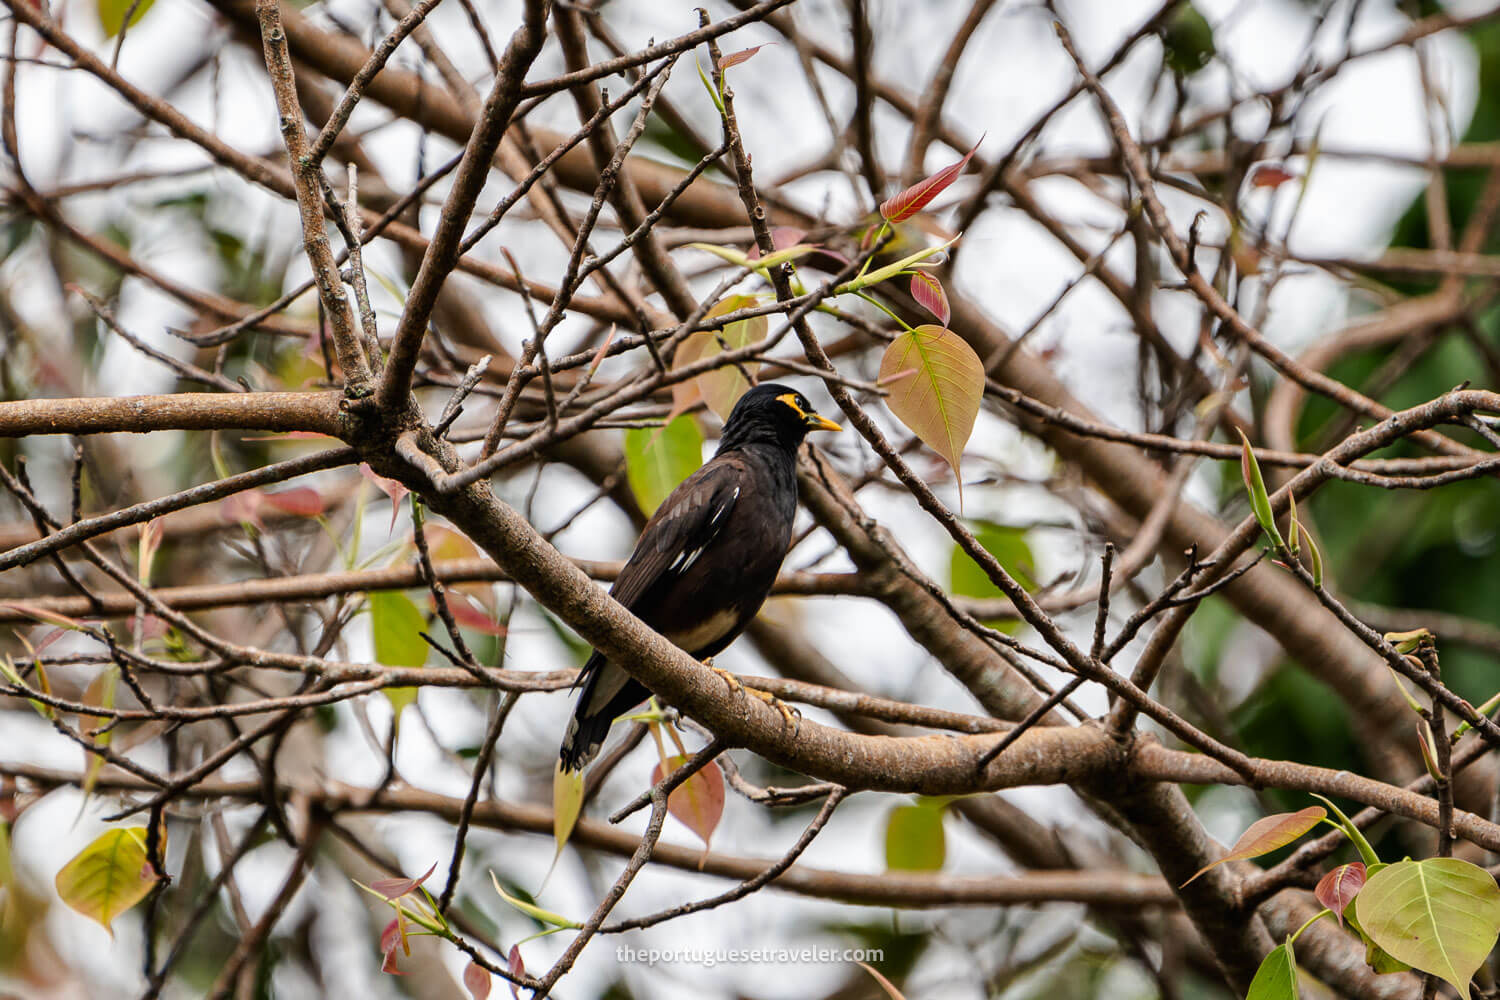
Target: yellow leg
789,714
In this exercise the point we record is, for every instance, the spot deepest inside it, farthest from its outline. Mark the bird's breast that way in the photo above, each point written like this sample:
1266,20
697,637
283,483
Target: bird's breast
708,632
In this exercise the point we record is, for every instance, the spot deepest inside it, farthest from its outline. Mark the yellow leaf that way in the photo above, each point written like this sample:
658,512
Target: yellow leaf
720,388
567,802
109,876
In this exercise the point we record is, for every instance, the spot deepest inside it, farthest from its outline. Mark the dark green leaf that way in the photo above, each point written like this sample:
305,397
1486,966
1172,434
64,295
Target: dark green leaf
1276,979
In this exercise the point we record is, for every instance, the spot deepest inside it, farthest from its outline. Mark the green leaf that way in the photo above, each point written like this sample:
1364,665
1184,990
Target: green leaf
914,838
1267,834
936,381
532,910
1294,530
112,14
713,92
1317,561
109,876
1011,550
658,458
1485,709
1009,545
728,254
760,265
397,622
778,257
1375,956
1187,41
878,275
13,677
1439,915
1276,979
1255,485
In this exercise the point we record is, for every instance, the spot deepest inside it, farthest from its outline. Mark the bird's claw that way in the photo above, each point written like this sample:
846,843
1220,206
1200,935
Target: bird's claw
789,714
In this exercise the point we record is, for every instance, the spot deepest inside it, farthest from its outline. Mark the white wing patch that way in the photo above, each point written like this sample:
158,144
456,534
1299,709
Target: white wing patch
685,559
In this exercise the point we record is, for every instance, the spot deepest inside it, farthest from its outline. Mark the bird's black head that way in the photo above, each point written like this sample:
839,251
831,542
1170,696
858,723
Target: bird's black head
772,414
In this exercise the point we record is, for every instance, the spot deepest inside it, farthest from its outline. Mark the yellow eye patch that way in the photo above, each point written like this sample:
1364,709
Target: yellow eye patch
790,399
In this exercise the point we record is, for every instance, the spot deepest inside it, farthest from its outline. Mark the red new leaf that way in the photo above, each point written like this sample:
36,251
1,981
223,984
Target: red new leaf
1337,889
394,888
300,501
1270,175
928,291
743,55
905,204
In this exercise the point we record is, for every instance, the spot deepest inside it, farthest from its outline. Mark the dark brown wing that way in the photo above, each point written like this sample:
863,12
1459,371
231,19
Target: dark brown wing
682,527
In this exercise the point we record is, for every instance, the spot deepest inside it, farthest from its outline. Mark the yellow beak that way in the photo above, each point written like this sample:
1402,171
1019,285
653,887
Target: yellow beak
818,422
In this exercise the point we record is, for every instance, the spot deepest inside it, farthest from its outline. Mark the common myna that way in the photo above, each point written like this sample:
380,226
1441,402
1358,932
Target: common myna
707,558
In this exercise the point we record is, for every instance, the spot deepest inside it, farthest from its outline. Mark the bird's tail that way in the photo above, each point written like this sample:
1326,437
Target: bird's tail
585,736
608,692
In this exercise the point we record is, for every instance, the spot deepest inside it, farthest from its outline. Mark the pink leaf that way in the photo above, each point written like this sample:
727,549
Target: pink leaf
152,627
468,613
699,801
517,969
1269,833
928,291
477,981
300,501
243,507
393,888
393,937
1270,175
44,615
781,238
1337,889
49,639
389,487
743,55
903,205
